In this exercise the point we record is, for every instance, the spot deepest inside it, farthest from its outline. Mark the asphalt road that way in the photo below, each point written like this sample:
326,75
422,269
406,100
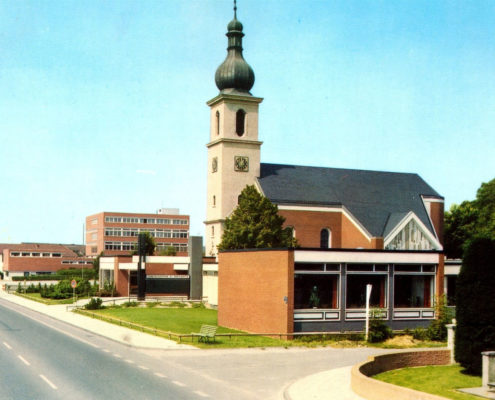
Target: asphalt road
43,358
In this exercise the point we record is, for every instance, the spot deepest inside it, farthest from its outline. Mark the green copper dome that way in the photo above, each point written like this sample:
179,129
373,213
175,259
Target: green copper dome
234,74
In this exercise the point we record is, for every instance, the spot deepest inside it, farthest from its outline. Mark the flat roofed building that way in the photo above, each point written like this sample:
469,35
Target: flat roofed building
26,259
116,233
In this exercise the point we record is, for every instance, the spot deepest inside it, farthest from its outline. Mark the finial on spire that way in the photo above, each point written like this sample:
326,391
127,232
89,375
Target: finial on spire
235,9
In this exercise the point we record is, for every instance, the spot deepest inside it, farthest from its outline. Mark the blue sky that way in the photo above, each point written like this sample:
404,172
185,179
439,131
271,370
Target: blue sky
102,103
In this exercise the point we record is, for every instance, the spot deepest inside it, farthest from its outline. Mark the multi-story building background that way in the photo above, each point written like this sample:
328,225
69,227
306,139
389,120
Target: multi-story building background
115,233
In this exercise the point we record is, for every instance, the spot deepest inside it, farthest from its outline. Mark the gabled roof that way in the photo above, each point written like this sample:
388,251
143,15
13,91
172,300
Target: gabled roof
377,199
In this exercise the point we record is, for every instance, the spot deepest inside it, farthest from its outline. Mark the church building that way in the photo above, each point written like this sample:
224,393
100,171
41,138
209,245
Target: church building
354,228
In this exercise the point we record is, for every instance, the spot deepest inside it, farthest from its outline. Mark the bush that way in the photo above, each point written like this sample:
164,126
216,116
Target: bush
475,304
437,330
94,304
419,333
130,304
378,331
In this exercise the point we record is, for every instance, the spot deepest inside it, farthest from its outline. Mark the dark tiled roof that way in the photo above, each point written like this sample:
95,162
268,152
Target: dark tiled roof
377,199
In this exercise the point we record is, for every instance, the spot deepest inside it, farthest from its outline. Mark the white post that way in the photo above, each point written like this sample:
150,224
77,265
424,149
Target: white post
450,340
368,295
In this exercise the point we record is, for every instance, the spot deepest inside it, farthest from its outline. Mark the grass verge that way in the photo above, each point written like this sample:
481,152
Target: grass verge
37,297
172,321
439,380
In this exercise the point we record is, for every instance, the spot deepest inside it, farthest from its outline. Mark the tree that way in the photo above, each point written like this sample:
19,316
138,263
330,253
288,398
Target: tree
475,304
255,224
149,247
169,251
485,203
460,225
463,222
96,265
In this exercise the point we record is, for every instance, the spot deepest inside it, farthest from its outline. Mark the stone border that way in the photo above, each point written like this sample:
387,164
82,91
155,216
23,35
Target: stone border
364,385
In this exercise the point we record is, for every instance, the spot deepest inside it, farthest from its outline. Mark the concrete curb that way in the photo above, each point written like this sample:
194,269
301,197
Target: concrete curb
363,384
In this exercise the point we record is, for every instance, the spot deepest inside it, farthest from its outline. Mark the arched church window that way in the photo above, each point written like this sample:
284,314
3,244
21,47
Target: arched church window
214,201
325,238
217,120
240,118
212,231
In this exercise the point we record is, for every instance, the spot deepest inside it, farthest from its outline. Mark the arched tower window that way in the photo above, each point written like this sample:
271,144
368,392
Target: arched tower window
240,118
214,201
217,120
212,231
325,238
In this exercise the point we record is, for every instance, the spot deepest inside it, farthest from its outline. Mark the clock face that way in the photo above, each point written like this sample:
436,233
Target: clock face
241,163
214,164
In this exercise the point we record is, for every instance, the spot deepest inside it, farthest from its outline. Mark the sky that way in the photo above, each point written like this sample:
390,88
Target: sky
103,103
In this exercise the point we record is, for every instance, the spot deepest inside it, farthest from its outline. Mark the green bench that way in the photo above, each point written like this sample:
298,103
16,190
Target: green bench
205,333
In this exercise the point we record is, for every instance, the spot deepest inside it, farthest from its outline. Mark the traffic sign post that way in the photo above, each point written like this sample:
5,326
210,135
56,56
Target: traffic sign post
73,283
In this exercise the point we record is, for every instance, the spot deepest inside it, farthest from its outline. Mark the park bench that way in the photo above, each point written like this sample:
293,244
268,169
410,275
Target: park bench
205,333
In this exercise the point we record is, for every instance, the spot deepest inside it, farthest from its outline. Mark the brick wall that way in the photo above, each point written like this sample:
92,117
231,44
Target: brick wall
372,389
255,291
308,225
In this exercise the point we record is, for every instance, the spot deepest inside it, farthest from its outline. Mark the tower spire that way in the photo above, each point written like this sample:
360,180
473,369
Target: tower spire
234,74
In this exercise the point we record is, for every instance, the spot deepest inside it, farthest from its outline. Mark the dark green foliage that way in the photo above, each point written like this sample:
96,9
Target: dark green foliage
437,329
108,290
94,304
255,224
463,222
378,330
475,304
420,333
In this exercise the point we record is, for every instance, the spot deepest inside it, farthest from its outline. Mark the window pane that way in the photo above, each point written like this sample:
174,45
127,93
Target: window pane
356,290
308,267
320,291
412,291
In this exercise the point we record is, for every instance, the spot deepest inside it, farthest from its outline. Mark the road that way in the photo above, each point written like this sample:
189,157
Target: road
43,358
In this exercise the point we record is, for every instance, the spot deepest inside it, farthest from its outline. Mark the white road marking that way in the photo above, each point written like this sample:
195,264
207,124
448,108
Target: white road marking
129,361
178,383
48,382
7,345
23,360
117,355
160,375
200,393
143,367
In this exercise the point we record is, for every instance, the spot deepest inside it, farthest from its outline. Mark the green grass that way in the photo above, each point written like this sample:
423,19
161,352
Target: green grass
439,380
186,321
182,320
37,297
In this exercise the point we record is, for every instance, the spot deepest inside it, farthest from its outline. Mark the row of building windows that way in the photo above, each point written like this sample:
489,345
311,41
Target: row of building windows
156,221
156,233
413,285
129,246
33,254
76,262
182,247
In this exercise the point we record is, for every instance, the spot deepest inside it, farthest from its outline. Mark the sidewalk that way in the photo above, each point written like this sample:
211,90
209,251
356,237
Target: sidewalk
327,385
120,334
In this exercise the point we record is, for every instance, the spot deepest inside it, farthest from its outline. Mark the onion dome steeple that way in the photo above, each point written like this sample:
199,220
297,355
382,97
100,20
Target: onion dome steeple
234,74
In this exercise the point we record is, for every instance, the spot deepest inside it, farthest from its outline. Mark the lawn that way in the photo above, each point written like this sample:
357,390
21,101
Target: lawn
37,297
186,321
439,380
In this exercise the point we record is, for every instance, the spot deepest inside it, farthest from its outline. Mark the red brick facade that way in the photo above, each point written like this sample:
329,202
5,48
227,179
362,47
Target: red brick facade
264,282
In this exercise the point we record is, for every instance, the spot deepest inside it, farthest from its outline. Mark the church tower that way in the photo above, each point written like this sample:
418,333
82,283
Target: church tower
234,149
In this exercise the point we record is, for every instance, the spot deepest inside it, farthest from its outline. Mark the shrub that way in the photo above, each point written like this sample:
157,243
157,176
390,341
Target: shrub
419,333
130,304
475,304
378,331
94,304
198,305
437,330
